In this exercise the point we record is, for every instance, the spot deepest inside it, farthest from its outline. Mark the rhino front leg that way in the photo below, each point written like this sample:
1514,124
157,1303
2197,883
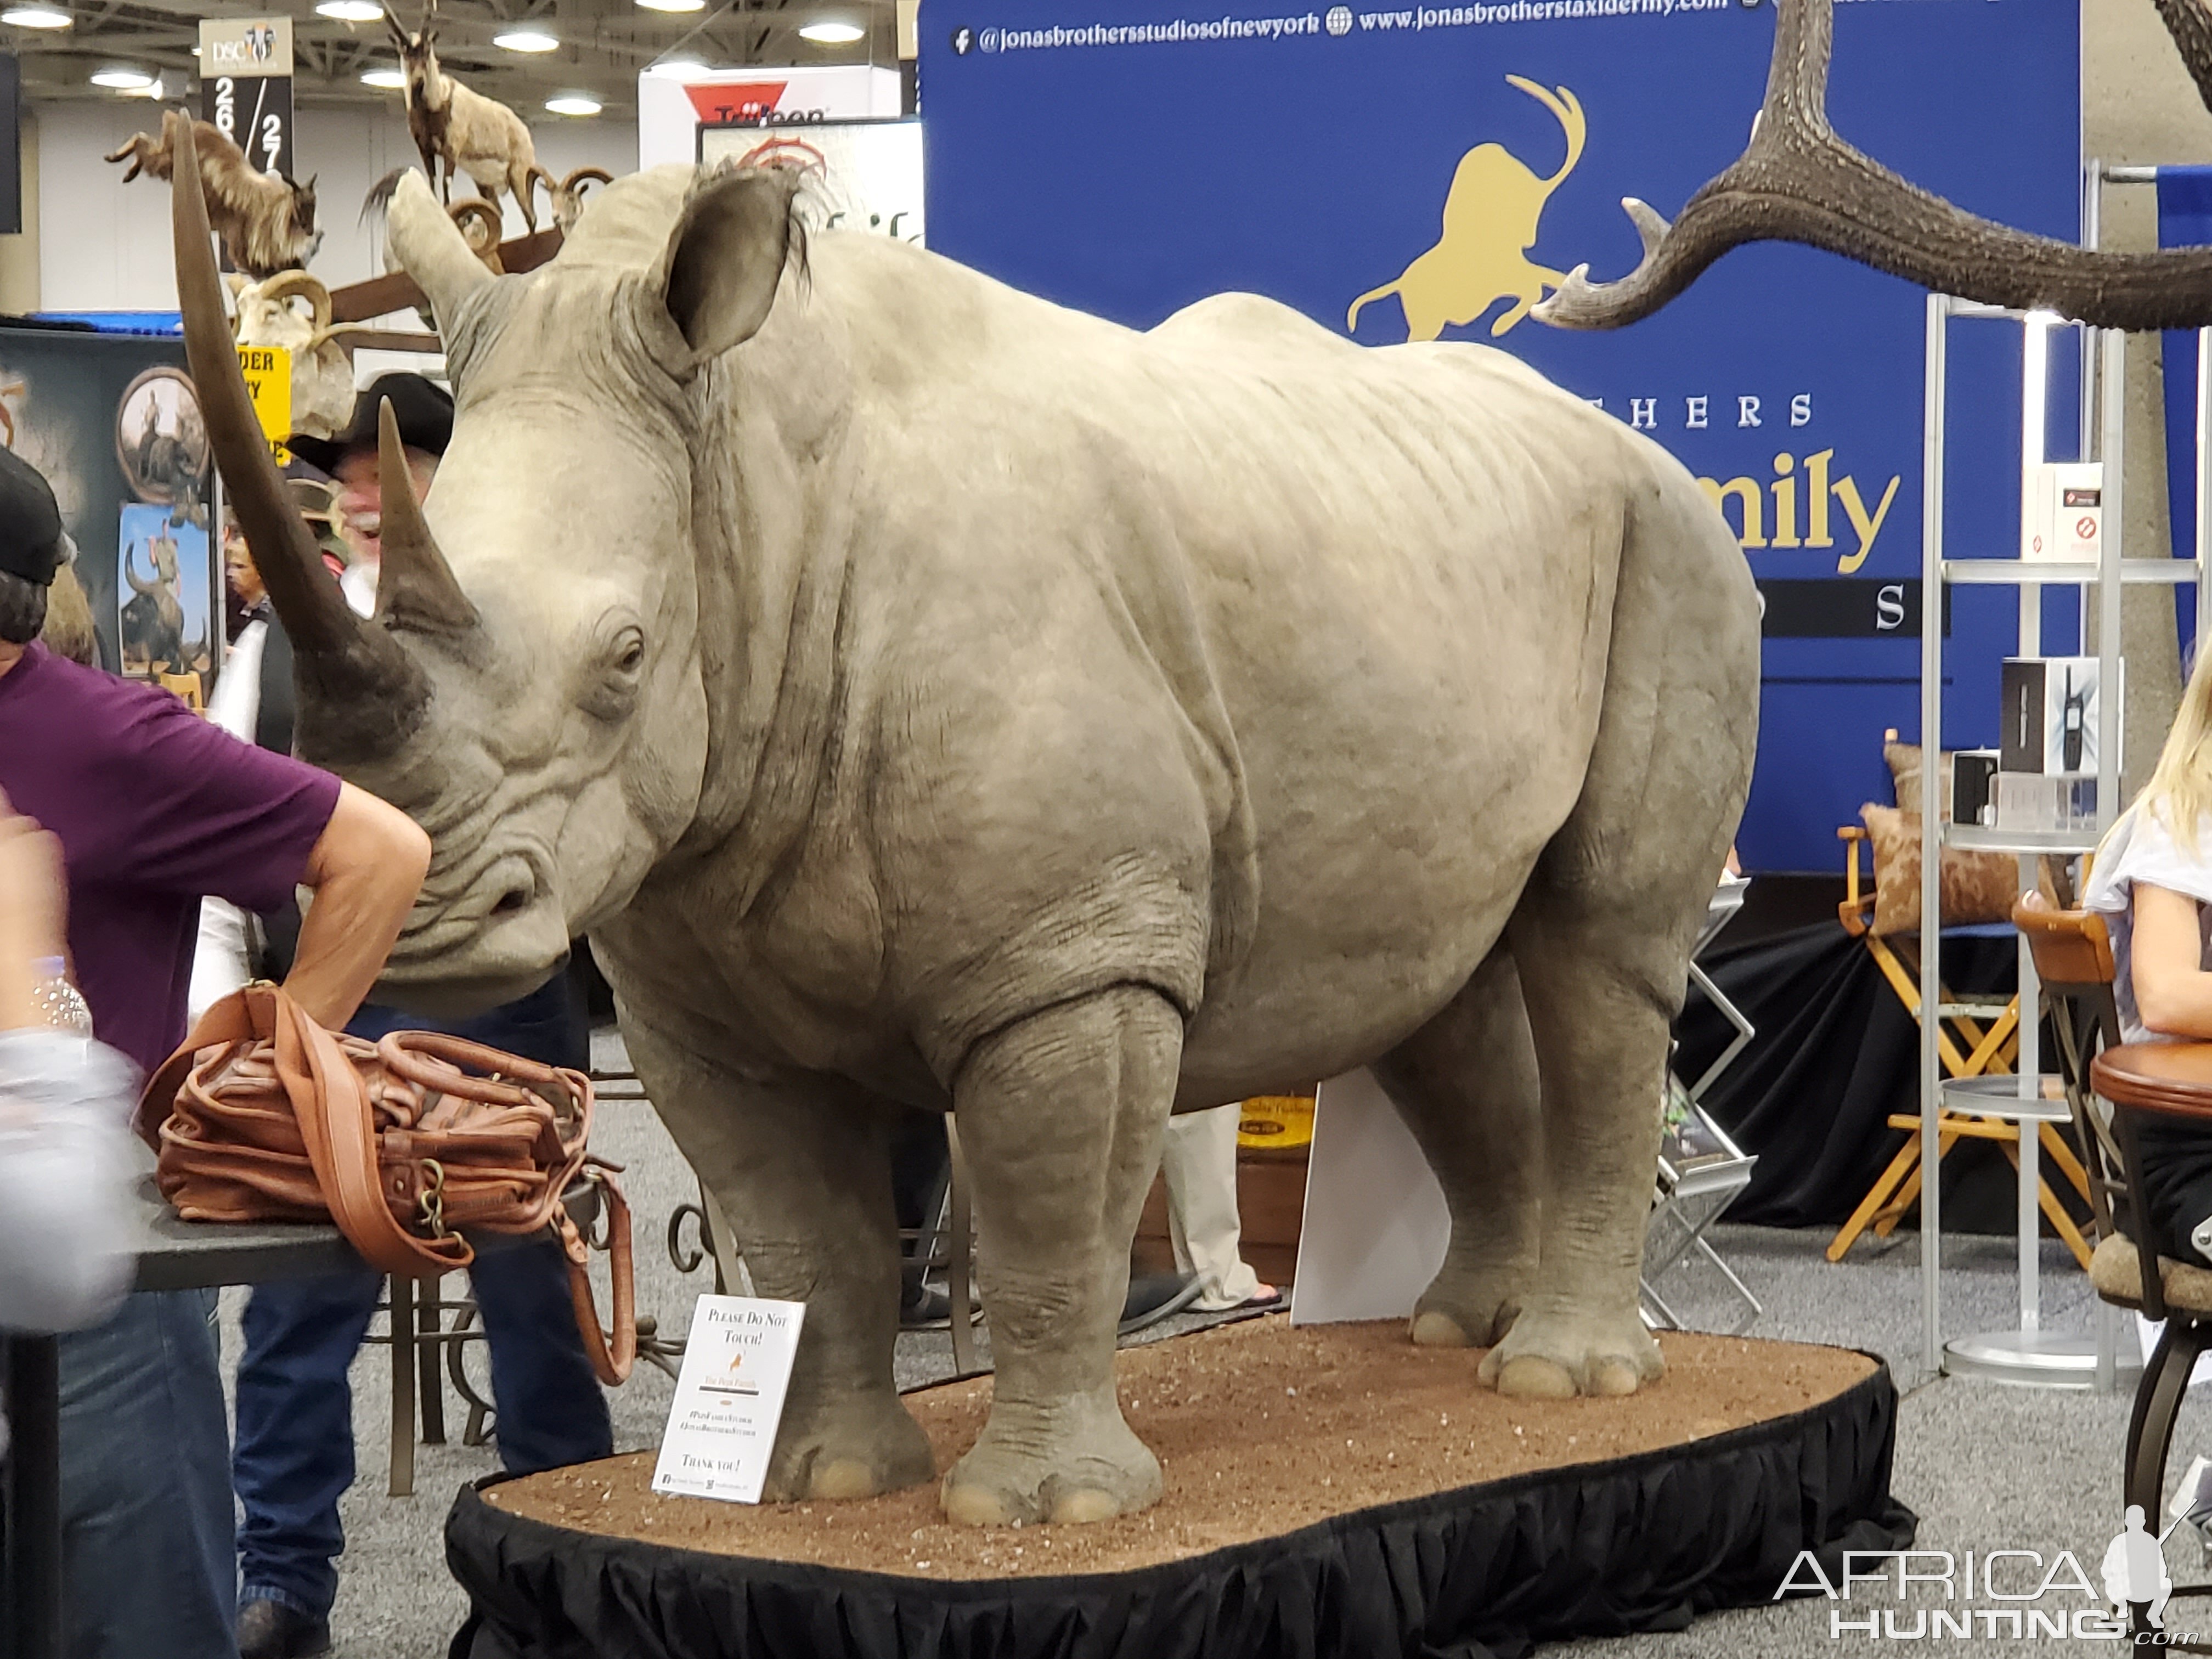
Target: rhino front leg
1063,1115
801,1165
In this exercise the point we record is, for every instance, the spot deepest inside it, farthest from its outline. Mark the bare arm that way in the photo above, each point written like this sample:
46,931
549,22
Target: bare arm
2174,994
30,916
365,872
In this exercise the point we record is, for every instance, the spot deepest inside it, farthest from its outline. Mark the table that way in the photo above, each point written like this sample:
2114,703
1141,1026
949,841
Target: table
177,1256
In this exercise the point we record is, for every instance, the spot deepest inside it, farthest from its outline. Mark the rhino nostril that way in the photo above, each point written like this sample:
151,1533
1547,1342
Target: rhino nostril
514,899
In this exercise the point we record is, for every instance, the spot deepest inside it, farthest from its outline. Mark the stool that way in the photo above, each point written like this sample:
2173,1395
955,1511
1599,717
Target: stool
2172,1080
2108,1085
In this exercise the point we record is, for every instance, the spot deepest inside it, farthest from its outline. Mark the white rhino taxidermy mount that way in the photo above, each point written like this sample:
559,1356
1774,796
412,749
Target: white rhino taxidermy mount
924,694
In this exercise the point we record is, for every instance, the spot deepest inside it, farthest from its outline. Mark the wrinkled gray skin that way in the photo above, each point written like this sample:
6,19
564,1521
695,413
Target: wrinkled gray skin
924,694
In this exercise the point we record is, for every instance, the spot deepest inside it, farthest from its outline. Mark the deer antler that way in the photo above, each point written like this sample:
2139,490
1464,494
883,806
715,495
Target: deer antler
2191,26
1798,182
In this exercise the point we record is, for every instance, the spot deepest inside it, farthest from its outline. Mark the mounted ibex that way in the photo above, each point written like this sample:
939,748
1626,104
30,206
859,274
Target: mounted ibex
266,222
464,131
1798,182
266,314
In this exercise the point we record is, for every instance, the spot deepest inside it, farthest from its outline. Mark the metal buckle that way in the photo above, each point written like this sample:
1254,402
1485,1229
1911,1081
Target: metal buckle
432,1204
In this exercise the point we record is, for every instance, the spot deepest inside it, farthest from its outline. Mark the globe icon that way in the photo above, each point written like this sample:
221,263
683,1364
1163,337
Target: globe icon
1339,19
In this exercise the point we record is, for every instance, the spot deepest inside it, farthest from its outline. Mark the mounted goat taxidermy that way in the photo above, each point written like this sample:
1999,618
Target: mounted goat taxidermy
267,314
267,222
464,130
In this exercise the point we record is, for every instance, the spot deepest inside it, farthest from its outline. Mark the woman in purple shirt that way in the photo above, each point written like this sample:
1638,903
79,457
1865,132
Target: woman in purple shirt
155,810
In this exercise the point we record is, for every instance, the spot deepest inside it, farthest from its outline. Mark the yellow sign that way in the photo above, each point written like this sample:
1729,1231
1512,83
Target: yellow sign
268,371
1492,214
1276,1120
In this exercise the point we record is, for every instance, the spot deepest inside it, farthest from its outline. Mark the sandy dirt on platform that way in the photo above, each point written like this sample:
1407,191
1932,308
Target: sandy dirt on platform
1261,1428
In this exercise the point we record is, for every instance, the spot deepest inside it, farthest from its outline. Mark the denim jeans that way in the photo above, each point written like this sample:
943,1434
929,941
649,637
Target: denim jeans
294,1456
146,1512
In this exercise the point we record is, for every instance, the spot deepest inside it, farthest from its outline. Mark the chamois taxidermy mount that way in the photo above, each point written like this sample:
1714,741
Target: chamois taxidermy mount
266,220
464,131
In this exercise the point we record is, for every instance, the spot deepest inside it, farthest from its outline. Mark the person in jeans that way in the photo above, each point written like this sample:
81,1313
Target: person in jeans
153,809
295,1454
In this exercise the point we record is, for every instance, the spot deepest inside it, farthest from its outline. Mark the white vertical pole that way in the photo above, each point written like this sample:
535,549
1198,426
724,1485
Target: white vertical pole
1931,795
2204,475
2034,402
2112,392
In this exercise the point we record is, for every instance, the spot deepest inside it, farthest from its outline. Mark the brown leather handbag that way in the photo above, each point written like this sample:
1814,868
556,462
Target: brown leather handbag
263,1115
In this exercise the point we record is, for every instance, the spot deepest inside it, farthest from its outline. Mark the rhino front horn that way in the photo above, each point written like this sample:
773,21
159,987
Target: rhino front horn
360,695
415,587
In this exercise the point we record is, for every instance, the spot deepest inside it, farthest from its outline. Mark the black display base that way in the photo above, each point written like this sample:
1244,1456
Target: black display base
1646,1543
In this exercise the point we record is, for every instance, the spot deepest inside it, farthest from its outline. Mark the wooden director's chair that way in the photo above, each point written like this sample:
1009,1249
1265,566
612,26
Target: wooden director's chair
1975,1036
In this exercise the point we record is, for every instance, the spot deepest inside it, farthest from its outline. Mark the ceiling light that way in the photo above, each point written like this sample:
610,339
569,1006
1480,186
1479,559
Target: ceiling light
827,32
527,40
390,79
673,5
35,17
122,78
350,11
573,103
671,68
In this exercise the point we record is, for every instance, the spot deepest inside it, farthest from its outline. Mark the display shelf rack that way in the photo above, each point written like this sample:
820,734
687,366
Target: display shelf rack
2042,573
2028,1355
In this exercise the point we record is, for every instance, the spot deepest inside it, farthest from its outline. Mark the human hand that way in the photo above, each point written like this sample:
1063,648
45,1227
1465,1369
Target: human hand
33,906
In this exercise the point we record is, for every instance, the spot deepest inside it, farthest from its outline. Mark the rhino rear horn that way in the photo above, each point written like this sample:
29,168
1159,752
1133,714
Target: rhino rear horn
359,693
430,248
415,587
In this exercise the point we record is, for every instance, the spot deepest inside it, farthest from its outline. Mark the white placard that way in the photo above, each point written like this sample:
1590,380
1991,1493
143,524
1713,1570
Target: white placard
729,1398
1376,1225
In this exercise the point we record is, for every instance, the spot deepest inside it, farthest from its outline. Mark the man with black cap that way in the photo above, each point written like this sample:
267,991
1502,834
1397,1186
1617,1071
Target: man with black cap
155,809
294,1456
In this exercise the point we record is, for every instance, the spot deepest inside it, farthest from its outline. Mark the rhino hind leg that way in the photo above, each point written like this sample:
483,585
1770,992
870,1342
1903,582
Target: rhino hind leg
1601,934
802,1169
1063,1117
1466,1084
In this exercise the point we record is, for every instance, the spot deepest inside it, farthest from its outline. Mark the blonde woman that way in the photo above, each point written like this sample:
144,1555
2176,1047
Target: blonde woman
2153,883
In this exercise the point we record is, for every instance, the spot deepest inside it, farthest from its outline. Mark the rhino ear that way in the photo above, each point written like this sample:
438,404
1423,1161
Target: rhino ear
719,275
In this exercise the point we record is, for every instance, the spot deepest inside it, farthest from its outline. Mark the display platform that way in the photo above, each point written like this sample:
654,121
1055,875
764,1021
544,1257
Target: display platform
1333,1492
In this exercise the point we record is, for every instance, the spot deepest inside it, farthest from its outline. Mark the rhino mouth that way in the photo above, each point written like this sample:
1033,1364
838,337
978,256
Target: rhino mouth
499,936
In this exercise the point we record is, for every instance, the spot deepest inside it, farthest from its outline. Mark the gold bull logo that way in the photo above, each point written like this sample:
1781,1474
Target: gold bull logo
1490,220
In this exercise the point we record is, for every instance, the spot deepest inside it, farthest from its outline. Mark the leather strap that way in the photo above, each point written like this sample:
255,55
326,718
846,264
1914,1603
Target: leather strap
611,1354
336,1122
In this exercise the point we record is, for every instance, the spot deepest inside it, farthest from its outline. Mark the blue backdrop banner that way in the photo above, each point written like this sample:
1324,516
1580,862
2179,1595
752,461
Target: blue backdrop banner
1429,172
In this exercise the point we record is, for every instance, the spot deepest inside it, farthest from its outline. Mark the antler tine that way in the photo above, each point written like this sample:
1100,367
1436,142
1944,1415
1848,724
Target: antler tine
1798,181
2191,26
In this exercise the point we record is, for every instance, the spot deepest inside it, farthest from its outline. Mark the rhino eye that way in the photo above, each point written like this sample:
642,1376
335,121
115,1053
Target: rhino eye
622,661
